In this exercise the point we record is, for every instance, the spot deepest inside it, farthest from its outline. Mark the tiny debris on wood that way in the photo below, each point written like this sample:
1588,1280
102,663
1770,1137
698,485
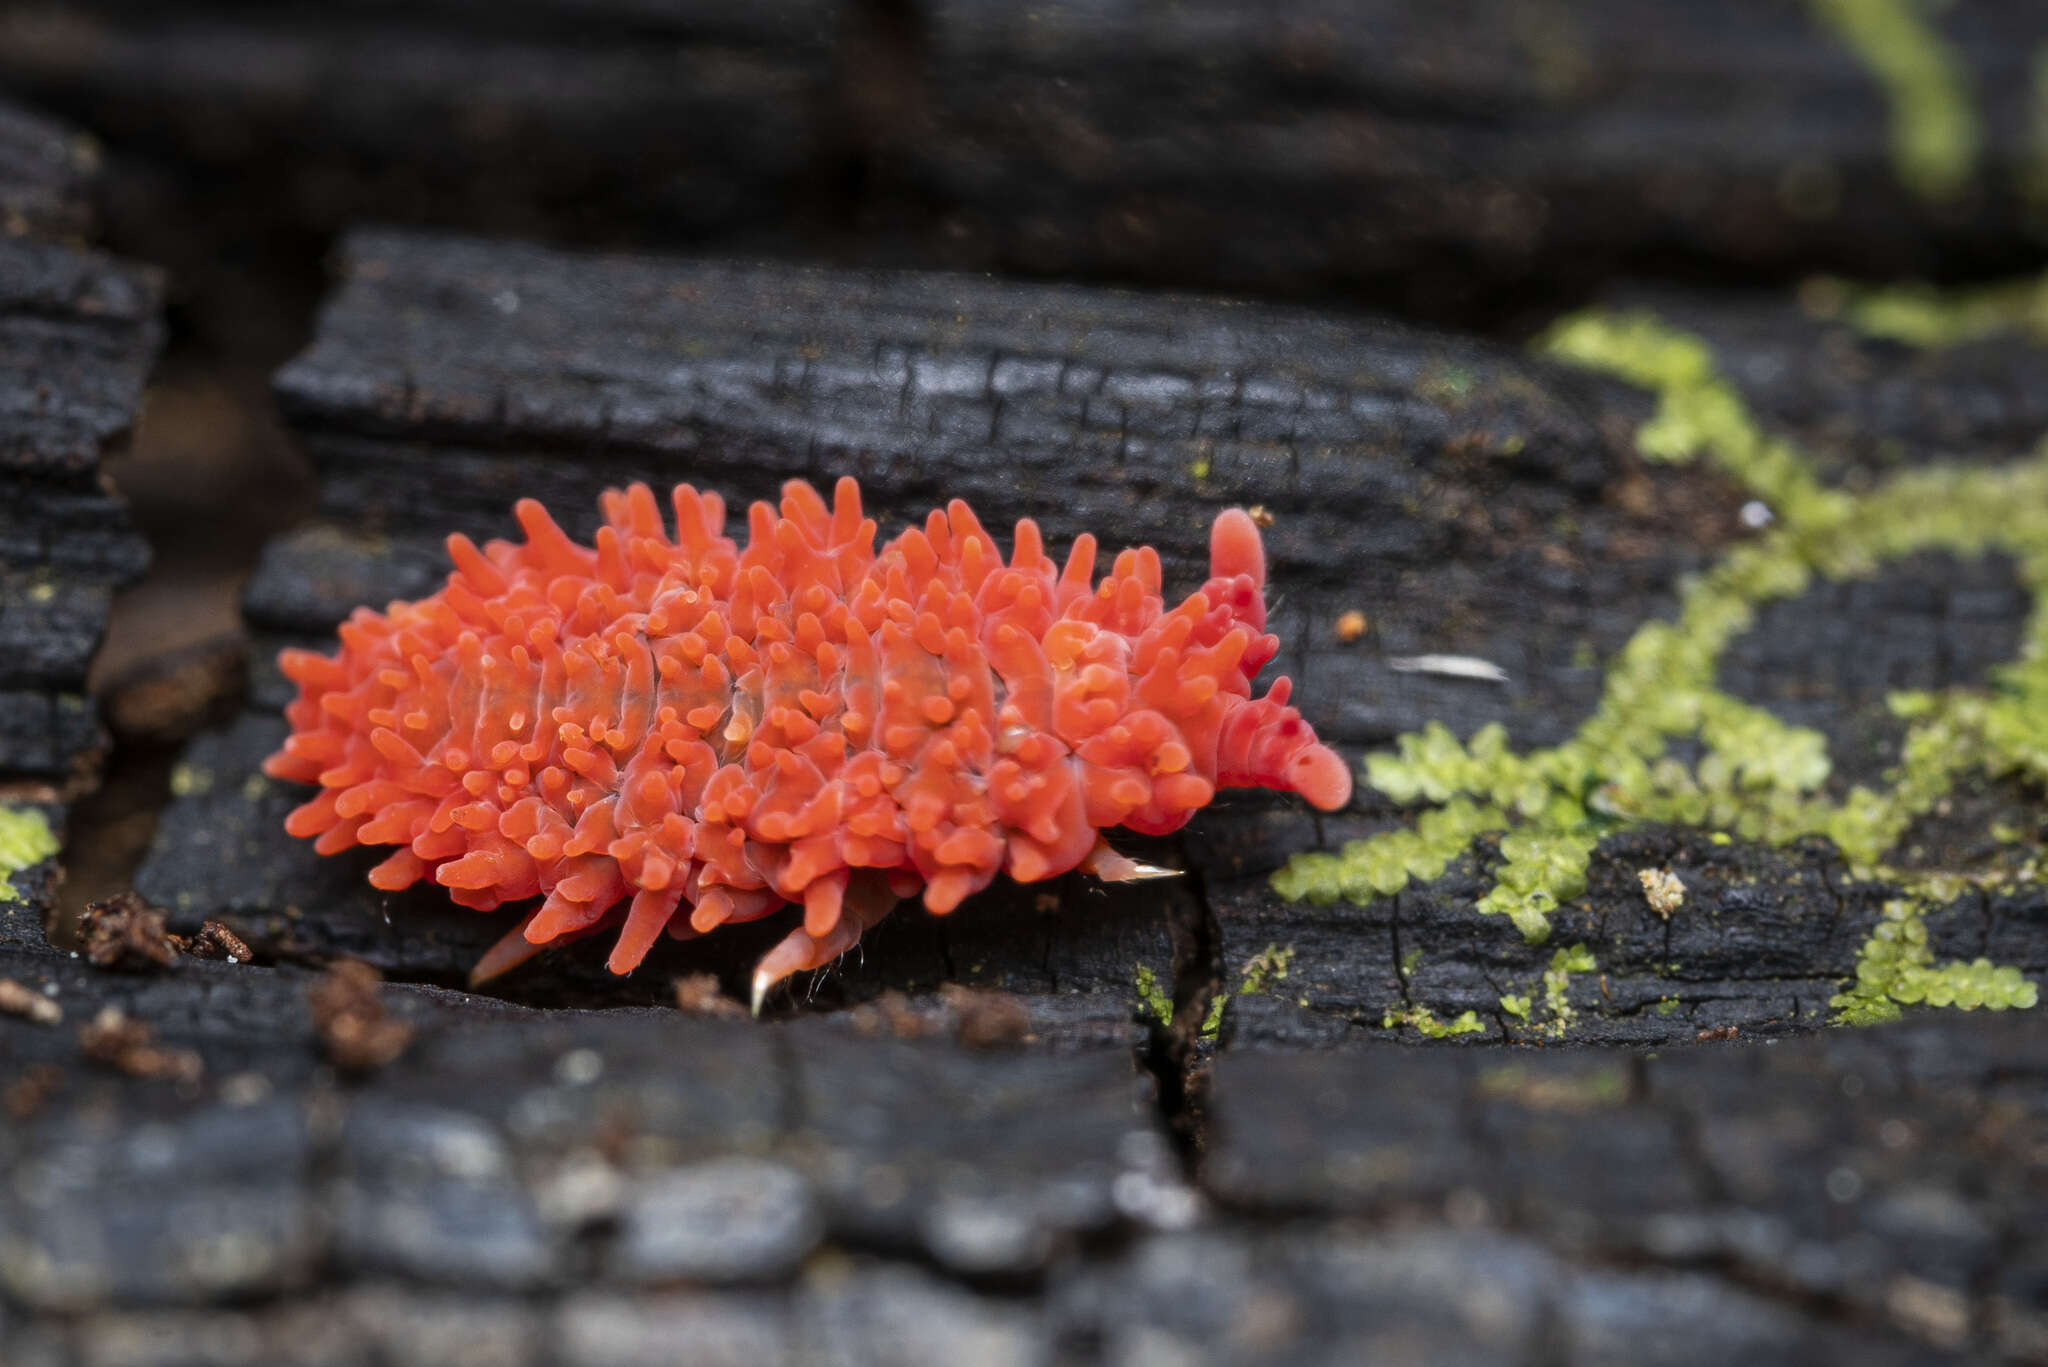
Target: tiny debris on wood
17,1000
1449,667
357,1033
115,1038
1662,890
699,994
215,941
1351,625
1262,516
126,932
1719,1032
979,1018
24,1096
892,1014
164,699
984,1019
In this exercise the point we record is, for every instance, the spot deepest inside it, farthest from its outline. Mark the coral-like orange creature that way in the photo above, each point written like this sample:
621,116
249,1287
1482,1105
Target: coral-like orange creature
671,733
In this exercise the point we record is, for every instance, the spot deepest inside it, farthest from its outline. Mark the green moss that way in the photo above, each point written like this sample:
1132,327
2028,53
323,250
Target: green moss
1152,998
1895,967
1425,1022
1924,316
1515,1005
1261,972
1268,966
1934,128
1756,777
188,779
25,839
1539,870
1557,984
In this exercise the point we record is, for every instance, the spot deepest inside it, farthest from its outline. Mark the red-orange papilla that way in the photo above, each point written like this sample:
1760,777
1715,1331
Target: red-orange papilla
669,733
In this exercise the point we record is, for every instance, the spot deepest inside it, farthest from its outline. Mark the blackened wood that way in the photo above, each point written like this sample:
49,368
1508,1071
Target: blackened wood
78,332
543,116
1435,156
502,1142
46,173
1822,1172
585,1186
1432,153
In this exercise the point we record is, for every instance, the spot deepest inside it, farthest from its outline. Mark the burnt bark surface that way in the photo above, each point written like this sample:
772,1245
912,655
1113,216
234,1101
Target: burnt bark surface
78,331
1439,157
46,173
540,1186
529,117
1429,152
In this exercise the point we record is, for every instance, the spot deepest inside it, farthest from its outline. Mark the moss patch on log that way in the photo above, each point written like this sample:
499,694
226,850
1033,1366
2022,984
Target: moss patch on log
1755,776
1925,315
25,840
1934,132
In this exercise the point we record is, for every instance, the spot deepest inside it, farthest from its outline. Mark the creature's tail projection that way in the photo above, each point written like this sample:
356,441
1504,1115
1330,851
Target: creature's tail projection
663,733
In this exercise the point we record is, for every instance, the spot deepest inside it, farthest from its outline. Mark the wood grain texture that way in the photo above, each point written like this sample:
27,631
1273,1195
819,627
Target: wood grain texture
46,175
587,1186
1443,158
78,332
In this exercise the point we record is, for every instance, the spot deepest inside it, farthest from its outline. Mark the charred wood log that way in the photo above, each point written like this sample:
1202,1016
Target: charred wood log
597,1186
1480,504
46,173
1434,156
1814,1173
604,120
78,332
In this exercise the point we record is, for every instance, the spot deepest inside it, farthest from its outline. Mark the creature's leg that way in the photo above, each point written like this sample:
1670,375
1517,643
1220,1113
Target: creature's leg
507,954
868,899
1111,867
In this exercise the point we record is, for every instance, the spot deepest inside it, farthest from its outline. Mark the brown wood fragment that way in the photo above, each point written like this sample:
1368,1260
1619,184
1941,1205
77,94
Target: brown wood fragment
216,941
698,994
983,1019
115,1038
126,932
356,1031
17,1000
25,1095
